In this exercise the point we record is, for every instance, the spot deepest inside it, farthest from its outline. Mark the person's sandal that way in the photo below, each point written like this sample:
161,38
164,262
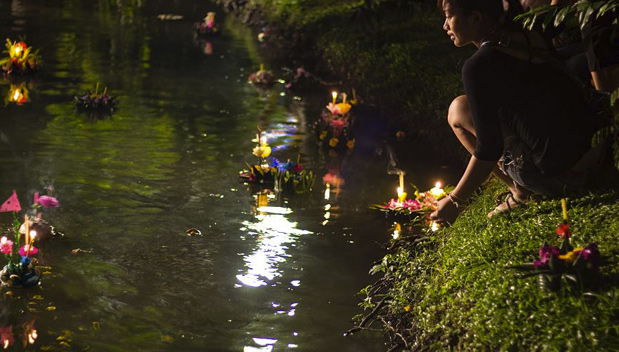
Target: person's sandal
509,198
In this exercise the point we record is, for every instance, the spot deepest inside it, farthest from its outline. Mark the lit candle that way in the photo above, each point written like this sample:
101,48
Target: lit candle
261,67
16,95
401,194
3,240
33,234
263,140
344,98
27,227
328,192
17,50
402,180
564,208
434,227
334,95
437,191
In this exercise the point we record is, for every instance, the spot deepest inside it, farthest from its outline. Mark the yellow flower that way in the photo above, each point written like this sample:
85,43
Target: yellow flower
343,108
262,151
350,144
407,308
323,134
333,142
569,257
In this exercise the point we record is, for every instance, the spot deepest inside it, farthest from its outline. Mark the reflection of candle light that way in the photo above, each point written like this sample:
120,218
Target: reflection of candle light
328,192
437,190
334,95
564,208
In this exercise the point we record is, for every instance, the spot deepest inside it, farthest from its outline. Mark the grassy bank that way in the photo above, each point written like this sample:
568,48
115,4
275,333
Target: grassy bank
455,289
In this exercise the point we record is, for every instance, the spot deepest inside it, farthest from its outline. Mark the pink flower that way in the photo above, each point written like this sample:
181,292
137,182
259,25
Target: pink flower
412,204
6,246
47,202
24,252
333,108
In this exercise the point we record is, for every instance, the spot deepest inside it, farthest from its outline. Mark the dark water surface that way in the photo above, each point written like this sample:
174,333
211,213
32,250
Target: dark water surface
130,185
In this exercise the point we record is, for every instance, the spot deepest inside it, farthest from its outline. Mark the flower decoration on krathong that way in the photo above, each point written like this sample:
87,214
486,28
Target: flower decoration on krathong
19,270
207,27
578,267
292,177
262,78
423,203
21,59
95,104
265,171
334,128
18,94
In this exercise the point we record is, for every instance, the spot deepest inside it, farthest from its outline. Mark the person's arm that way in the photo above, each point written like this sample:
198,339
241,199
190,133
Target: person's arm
476,173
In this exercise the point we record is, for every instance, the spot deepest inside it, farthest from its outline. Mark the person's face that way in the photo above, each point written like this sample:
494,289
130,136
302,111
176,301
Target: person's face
460,28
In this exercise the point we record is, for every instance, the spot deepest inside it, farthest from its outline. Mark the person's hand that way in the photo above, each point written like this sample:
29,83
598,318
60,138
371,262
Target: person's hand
446,212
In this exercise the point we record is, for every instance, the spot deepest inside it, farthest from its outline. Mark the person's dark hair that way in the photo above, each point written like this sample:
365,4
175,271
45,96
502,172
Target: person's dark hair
502,11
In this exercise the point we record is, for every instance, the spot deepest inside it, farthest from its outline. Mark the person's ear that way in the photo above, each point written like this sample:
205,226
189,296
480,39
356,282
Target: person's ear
475,17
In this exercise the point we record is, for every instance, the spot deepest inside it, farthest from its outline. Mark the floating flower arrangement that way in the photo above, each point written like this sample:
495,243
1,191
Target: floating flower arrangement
21,59
334,128
403,208
95,104
207,27
262,78
577,267
286,176
20,270
17,94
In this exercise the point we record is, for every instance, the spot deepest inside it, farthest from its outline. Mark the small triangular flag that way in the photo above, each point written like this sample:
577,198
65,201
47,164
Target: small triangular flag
11,204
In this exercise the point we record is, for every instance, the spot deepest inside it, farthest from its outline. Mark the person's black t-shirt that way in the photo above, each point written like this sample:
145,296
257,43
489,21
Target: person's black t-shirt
540,103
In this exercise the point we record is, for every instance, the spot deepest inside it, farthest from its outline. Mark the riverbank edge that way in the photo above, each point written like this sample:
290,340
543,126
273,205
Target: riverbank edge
455,289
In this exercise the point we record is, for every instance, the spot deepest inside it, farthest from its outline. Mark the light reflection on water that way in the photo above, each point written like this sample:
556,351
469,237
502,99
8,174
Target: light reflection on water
270,274
274,234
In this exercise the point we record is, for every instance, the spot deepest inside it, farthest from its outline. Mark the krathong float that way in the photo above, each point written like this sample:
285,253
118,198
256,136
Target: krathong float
20,270
334,128
262,78
261,173
17,94
21,60
95,104
207,27
405,209
289,176
564,265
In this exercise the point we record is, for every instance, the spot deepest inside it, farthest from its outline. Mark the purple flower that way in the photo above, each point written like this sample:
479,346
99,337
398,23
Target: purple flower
47,202
545,253
591,254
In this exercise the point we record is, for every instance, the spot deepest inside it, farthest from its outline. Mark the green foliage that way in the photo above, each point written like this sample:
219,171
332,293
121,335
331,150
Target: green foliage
610,133
559,14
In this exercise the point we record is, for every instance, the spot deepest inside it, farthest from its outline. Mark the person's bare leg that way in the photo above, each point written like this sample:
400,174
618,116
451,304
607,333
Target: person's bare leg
461,122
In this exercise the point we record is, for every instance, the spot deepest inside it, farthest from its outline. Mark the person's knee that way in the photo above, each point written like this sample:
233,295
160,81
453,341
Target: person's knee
458,112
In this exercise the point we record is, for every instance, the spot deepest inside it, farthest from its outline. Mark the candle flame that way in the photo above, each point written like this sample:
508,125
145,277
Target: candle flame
3,240
33,234
435,226
6,344
328,192
438,184
32,337
437,191
17,50
263,140
16,95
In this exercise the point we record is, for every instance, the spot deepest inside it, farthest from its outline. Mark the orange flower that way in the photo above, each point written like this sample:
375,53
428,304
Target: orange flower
333,142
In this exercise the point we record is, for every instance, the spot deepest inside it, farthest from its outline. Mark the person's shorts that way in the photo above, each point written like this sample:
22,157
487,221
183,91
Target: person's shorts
517,163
